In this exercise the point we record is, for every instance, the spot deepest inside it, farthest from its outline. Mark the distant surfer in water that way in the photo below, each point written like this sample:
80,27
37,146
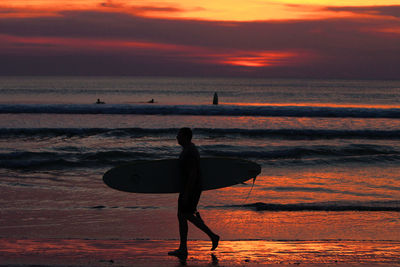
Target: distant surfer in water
190,192
99,102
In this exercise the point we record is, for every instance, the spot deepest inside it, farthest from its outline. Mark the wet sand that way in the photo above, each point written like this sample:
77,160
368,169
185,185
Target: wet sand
89,252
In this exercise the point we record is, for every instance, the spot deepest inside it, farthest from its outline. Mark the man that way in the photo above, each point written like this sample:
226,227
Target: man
189,161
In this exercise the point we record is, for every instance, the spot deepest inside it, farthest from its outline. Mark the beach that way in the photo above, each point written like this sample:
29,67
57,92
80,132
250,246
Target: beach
86,252
328,192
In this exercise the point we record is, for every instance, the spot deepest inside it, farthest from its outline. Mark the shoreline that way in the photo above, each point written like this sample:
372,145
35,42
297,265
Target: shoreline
91,252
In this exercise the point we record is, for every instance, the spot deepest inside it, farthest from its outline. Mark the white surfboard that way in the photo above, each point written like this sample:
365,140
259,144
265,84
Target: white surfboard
162,176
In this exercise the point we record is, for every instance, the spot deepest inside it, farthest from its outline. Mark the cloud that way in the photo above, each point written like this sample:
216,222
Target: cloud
391,11
11,12
194,54
8,10
157,9
221,10
110,4
344,48
318,35
140,9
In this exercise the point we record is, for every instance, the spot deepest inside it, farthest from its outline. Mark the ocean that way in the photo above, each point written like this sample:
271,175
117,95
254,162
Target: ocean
329,151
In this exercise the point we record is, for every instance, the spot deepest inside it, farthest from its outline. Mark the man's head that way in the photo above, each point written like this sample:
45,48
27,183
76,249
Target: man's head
184,136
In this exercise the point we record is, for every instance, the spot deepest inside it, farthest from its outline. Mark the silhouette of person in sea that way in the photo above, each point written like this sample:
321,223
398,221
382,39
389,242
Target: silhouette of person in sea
215,99
151,101
189,163
99,102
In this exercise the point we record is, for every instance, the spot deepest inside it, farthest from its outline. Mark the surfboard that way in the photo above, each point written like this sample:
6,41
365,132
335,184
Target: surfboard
163,176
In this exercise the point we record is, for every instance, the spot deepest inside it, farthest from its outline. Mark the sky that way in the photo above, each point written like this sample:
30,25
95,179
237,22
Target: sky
354,39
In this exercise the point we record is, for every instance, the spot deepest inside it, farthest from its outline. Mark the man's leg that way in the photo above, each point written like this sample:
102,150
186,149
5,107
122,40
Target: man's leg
183,231
181,252
199,223
194,217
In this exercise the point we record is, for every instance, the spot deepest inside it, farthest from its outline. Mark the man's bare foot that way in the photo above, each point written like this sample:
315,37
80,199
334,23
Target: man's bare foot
215,241
178,253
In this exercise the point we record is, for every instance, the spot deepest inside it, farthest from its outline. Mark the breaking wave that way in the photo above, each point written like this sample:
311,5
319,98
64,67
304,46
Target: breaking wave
296,134
393,206
72,156
207,110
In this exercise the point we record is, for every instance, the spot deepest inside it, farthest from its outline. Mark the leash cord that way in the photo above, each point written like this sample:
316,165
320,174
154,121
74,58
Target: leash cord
251,189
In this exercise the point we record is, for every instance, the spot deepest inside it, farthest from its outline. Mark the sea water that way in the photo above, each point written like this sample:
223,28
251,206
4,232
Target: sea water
329,151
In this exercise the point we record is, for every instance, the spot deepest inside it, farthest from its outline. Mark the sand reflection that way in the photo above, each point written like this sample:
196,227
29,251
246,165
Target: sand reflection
154,252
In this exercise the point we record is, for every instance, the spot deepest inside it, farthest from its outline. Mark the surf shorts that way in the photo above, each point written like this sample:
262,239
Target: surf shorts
191,204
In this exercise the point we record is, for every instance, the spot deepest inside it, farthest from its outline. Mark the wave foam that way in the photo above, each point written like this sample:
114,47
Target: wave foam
207,110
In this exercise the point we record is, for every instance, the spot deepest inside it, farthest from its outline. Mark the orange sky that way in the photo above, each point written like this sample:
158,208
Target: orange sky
221,10
299,38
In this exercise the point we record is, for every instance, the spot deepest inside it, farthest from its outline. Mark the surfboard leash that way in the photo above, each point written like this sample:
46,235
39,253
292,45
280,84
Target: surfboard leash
251,189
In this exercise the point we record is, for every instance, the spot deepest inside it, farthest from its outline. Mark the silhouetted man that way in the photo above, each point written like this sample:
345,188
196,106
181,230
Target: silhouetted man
189,161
